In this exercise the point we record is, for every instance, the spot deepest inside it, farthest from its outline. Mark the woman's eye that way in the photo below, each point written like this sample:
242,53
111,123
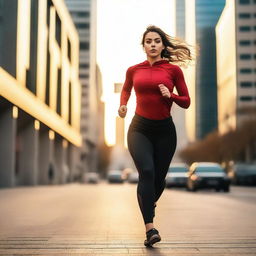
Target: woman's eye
148,42
158,41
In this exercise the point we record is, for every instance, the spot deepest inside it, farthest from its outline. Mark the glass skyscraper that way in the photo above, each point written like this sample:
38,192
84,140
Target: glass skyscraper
207,13
180,19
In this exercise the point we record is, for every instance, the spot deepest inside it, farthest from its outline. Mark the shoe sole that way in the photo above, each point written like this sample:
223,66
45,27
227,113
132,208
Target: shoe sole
154,239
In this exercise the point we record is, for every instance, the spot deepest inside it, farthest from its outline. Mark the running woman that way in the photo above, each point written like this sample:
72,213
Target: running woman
152,135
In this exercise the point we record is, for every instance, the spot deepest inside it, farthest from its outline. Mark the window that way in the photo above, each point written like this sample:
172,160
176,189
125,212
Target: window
84,76
254,28
80,14
58,29
246,84
245,56
84,65
85,104
82,25
255,56
244,15
244,1
246,98
69,50
84,94
245,71
84,45
245,42
84,129
244,28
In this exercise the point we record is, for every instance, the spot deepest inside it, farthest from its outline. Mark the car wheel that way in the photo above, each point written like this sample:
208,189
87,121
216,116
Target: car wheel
194,189
226,189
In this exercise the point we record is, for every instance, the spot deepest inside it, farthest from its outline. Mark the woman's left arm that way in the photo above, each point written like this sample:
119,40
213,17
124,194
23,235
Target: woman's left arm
182,99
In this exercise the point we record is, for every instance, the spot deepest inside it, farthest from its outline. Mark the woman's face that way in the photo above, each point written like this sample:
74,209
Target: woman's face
153,45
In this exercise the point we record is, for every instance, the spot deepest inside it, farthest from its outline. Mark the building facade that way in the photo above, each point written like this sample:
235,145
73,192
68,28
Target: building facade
84,13
180,18
39,94
236,54
178,113
201,17
207,13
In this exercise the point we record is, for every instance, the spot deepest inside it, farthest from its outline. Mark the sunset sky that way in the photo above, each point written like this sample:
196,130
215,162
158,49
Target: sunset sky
120,25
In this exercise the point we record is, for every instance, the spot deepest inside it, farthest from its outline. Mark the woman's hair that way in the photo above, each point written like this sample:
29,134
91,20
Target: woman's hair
175,49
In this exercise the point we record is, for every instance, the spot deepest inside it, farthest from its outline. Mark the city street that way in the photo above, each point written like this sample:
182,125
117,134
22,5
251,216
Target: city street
103,219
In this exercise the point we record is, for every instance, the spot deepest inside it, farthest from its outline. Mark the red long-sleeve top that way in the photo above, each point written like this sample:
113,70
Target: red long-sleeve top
145,80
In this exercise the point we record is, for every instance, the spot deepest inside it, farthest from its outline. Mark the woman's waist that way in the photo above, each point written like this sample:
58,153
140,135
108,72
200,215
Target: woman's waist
143,123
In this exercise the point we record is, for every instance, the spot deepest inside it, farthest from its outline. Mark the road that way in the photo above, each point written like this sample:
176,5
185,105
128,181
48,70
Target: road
104,219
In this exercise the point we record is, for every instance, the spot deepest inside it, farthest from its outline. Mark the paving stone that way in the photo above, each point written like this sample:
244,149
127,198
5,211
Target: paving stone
103,219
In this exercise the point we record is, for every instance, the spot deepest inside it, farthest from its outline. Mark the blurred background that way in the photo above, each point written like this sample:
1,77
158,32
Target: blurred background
62,66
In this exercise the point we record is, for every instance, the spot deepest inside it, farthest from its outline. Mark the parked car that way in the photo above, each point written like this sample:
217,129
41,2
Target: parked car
115,176
133,177
92,177
177,175
207,175
243,174
126,173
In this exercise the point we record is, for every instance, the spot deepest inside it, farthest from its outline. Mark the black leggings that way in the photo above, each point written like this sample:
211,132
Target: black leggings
152,144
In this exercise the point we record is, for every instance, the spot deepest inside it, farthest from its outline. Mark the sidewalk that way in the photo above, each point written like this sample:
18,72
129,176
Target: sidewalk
105,220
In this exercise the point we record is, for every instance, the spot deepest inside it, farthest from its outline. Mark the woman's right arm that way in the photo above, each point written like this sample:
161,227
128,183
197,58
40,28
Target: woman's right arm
125,93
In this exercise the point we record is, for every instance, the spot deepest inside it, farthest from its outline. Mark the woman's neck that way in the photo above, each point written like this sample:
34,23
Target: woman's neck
153,60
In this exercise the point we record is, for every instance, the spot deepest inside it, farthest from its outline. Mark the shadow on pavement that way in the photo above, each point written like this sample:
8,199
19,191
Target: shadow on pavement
154,251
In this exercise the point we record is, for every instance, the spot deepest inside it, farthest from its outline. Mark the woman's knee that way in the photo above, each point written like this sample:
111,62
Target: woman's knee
147,174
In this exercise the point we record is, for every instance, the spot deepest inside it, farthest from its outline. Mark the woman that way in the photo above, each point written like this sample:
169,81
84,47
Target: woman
152,134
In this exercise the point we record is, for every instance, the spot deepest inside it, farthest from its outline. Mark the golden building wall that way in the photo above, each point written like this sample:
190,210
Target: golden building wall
190,72
54,97
226,68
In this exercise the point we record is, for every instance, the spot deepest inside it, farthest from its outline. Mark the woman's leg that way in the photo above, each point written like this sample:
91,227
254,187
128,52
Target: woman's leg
141,150
164,148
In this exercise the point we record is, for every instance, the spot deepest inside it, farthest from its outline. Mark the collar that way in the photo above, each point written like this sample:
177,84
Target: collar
159,62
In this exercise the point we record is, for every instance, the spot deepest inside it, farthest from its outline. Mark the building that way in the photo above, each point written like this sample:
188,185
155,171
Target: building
83,13
180,19
178,113
201,17
39,94
236,54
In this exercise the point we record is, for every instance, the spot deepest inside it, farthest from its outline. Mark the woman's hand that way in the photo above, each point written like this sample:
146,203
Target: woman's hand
122,111
164,90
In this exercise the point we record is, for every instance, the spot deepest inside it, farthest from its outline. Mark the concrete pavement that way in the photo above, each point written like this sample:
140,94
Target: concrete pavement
104,219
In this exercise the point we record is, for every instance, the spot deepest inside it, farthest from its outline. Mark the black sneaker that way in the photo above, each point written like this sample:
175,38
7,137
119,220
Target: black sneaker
152,237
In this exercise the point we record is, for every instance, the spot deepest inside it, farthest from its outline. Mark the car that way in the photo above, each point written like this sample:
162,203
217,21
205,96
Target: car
207,175
91,177
133,177
126,173
243,174
115,176
177,175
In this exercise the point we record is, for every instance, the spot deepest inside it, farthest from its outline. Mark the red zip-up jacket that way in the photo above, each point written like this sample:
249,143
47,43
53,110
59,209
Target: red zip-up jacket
145,80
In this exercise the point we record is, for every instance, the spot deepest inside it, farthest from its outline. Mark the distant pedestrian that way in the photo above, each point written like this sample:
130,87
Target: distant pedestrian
51,173
152,134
